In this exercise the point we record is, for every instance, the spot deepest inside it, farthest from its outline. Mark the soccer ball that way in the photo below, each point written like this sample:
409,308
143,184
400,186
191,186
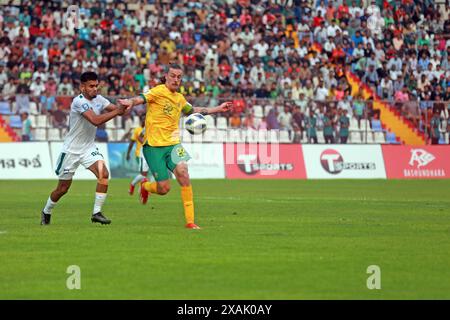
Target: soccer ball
195,123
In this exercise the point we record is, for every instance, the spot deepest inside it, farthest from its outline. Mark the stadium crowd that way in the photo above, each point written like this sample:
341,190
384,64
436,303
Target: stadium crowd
287,53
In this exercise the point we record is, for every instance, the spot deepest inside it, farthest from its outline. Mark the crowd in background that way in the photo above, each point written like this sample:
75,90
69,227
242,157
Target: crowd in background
288,53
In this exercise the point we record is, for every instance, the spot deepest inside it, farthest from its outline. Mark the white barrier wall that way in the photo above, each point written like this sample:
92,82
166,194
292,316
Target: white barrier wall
37,160
344,161
207,160
25,161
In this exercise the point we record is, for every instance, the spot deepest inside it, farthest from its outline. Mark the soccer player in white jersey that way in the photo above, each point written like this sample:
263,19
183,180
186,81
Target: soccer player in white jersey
79,147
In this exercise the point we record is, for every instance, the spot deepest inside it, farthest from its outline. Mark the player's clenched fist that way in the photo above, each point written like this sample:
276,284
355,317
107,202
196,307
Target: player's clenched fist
128,104
226,106
125,102
121,109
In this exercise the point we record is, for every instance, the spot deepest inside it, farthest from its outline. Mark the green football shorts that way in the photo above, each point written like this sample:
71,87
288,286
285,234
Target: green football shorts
160,159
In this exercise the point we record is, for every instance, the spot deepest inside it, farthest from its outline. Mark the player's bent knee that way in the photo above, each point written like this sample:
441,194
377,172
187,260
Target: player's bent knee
163,189
182,174
182,168
102,173
103,177
183,178
103,181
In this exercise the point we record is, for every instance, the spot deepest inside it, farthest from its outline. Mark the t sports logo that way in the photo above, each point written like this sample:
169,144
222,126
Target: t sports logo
263,161
333,163
250,164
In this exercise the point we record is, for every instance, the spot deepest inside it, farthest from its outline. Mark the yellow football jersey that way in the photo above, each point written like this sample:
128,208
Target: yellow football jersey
135,137
164,109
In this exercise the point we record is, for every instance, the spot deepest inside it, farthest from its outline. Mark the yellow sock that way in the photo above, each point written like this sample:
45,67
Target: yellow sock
188,203
150,186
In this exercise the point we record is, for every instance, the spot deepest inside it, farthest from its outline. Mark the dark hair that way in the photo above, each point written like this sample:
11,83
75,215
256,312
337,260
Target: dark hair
88,76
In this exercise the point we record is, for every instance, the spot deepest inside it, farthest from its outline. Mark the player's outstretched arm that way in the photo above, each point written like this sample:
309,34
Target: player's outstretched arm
99,119
111,107
128,104
224,107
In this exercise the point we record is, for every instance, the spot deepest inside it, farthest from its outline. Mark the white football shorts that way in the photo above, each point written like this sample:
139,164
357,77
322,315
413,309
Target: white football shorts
68,163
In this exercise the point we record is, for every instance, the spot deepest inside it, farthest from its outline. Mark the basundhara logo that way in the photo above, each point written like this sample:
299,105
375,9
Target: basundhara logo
420,157
420,162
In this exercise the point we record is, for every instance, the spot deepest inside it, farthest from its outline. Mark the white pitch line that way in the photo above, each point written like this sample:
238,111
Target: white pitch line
290,199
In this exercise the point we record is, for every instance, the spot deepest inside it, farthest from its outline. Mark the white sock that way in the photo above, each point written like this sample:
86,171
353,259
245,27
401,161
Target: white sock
49,206
137,179
99,200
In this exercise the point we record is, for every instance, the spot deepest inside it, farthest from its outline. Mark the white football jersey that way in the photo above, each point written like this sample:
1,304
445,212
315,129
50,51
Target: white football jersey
81,135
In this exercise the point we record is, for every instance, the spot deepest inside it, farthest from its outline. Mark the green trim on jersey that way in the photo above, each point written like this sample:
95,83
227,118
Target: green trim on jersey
187,109
60,162
143,97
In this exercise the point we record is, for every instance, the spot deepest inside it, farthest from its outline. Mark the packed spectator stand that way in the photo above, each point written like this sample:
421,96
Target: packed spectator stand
284,64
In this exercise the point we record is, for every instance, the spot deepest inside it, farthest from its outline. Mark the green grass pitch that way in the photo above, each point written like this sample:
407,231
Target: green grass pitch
260,240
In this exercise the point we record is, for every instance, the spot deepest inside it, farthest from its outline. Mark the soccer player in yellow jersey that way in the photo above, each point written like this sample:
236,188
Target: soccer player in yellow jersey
162,148
138,138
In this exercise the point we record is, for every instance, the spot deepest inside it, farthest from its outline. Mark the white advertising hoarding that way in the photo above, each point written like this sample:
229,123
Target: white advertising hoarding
344,162
81,173
25,160
207,160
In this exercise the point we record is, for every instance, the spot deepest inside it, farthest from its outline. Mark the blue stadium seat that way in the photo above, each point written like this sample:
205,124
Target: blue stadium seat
4,108
101,135
391,138
376,125
15,122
